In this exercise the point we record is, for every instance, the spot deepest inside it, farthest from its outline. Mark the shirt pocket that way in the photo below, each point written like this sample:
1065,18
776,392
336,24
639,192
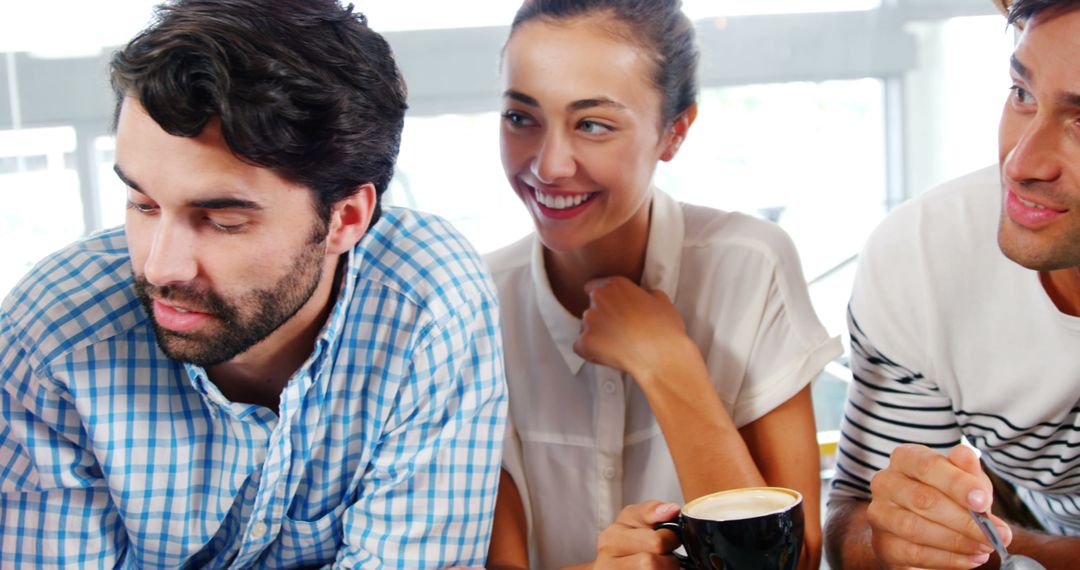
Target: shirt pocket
310,543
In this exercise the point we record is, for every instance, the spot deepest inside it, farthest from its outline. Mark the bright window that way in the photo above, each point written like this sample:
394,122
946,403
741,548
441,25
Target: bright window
449,165
112,194
41,209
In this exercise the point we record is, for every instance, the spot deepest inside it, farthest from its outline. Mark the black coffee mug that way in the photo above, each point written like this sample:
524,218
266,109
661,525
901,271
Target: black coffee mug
755,528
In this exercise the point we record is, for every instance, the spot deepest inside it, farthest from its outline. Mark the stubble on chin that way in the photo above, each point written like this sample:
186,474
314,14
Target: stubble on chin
1032,251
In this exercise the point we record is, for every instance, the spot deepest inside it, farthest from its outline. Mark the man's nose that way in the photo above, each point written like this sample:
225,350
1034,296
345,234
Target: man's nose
1036,156
171,258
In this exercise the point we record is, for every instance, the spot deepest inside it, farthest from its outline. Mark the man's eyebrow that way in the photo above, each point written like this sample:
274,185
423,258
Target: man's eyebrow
207,204
1019,68
127,181
521,98
595,102
1065,99
225,204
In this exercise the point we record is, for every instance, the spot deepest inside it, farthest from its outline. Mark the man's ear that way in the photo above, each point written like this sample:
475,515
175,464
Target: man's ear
676,133
349,219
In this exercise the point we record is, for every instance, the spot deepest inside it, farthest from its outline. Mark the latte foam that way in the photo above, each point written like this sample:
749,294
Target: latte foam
735,505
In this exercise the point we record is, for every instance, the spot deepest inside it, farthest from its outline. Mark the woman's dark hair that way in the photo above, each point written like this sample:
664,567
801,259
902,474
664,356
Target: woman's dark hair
302,87
1024,10
658,26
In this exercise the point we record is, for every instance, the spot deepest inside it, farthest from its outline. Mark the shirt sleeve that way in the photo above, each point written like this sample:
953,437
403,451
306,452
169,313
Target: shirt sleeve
428,497
894,397
790,345
888,404
55,509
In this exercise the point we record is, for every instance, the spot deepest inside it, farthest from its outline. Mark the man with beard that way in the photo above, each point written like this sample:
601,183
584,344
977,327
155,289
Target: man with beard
965,322
263,367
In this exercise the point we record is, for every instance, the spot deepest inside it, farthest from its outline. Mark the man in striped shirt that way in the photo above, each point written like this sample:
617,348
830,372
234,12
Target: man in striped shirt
263,368
965,322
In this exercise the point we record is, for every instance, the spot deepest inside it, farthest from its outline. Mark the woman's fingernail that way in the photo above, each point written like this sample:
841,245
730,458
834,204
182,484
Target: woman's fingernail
978,500
665,508
980,559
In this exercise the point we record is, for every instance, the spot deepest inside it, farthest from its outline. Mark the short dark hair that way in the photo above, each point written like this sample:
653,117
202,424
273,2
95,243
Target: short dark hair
303,87
1024,10
659,26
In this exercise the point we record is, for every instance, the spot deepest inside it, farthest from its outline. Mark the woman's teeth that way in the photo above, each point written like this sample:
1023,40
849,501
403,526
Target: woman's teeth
1030,204
561,201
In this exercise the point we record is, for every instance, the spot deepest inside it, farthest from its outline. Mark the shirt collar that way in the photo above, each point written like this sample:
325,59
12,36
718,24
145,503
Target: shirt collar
663,257
663,254
336,321
563,327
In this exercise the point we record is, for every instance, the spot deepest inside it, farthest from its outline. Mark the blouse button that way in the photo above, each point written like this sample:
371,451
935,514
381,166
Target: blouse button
609,472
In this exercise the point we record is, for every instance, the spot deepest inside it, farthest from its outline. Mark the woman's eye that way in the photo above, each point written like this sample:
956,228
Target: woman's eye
517,119
594,128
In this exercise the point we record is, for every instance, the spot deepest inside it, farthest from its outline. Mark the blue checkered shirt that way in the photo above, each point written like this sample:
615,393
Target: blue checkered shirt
385,452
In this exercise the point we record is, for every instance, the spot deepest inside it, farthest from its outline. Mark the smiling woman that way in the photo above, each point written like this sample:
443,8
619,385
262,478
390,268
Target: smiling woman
623,287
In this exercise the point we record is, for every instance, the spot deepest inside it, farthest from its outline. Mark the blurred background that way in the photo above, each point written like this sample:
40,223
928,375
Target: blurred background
819,120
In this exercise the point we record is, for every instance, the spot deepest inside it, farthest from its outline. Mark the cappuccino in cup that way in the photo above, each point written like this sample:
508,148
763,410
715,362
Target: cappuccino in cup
757,528
740,504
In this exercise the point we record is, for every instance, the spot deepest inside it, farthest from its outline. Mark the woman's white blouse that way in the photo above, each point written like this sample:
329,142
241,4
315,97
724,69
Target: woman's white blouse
582,442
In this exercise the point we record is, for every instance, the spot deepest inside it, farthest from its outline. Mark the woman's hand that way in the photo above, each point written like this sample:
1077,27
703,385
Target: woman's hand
631,329
631,542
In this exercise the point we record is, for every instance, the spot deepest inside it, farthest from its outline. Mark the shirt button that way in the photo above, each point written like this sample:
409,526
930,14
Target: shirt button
609,472
609,387
258,530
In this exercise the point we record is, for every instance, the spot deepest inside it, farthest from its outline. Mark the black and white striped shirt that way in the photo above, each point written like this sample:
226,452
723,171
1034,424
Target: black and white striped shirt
951,339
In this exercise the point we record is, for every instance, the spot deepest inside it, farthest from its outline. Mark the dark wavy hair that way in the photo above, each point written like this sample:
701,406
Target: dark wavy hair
1023,10
658,26
303,87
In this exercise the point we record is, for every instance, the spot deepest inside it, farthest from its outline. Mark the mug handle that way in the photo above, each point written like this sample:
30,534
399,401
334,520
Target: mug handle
673,526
